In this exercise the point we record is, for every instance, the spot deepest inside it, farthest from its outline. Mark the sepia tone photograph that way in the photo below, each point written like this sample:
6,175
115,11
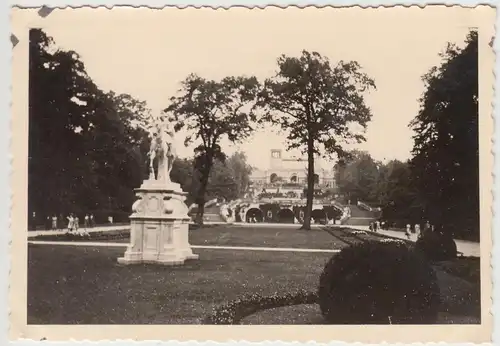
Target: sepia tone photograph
316,166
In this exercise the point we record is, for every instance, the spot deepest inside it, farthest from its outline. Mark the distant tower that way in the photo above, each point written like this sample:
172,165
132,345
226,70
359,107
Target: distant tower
275,159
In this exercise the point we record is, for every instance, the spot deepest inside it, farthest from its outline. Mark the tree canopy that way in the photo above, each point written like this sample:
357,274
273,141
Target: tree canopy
85,153
445,163
228,180
211,111
317,105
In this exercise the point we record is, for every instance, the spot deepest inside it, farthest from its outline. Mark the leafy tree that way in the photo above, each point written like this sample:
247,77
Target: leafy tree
84,152
240,171
445,161
210,111
399,199
358,177
222,183
317,104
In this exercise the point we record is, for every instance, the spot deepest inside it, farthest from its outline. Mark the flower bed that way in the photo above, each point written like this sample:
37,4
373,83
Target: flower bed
233,312
92,236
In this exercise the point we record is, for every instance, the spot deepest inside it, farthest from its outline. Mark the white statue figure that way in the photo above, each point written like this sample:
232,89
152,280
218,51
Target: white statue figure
168,154
162,148
152,153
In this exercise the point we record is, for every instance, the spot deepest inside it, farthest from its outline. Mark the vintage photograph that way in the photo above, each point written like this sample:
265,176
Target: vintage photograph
316,166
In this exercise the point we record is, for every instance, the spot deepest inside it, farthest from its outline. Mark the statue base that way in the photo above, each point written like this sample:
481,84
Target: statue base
159,226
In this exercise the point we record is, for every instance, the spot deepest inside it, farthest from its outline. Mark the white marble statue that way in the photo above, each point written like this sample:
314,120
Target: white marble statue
163,149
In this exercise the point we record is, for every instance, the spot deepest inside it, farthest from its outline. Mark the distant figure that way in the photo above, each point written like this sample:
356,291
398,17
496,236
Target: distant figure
110,219
427,228
85,225
416,230
377,225
86,221
54,222
48,222
76,224
92,222
408,231
33,221
71,223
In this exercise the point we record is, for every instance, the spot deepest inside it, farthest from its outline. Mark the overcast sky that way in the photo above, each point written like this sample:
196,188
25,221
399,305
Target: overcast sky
147,53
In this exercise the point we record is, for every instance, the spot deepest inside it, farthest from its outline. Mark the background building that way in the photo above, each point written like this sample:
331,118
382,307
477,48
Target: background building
290,174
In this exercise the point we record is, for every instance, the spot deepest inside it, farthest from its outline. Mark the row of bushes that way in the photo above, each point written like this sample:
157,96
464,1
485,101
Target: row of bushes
375,282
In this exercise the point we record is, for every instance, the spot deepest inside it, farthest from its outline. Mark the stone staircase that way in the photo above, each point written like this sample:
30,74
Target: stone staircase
361,217
211,214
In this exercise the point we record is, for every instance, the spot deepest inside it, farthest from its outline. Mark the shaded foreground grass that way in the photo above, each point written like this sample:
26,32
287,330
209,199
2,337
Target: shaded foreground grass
85,285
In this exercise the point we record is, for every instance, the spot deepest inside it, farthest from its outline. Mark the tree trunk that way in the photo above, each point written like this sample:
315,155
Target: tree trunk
310,184
205,176
201,199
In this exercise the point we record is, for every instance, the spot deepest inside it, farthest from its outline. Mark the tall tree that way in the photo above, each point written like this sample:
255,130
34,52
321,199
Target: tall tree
210,111
240,171
84,153
317,104
58,119
358,178
399,198
445,159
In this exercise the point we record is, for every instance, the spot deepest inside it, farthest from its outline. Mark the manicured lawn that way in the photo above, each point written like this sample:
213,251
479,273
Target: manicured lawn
85,285
264,237
230,235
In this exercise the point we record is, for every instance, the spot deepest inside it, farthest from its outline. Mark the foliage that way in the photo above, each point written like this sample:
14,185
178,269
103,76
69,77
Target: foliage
240,171
400,200
210,111
437,246
233,312
378,283
85,152
445,162
317,104
226,180
358,176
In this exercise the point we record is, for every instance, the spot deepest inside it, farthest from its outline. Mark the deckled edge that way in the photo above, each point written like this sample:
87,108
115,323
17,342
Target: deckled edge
45,11
238,4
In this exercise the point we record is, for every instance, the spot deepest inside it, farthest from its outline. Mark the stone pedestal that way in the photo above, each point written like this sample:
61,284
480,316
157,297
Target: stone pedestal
159,226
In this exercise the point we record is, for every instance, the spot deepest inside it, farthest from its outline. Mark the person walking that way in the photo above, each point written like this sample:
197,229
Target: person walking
92,222
54,222
416,230
408,231
71,223
86,223
76,224
427,228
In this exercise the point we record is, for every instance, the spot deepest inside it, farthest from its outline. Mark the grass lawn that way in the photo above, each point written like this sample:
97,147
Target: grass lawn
232,235
85,285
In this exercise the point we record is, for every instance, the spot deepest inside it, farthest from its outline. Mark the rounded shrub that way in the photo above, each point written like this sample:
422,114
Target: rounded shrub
378,283
437,246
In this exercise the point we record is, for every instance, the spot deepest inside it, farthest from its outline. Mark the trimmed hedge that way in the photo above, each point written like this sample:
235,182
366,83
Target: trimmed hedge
379,283
437,246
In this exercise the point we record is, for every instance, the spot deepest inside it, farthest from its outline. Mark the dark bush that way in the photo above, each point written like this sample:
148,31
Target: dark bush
379,283
437,246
